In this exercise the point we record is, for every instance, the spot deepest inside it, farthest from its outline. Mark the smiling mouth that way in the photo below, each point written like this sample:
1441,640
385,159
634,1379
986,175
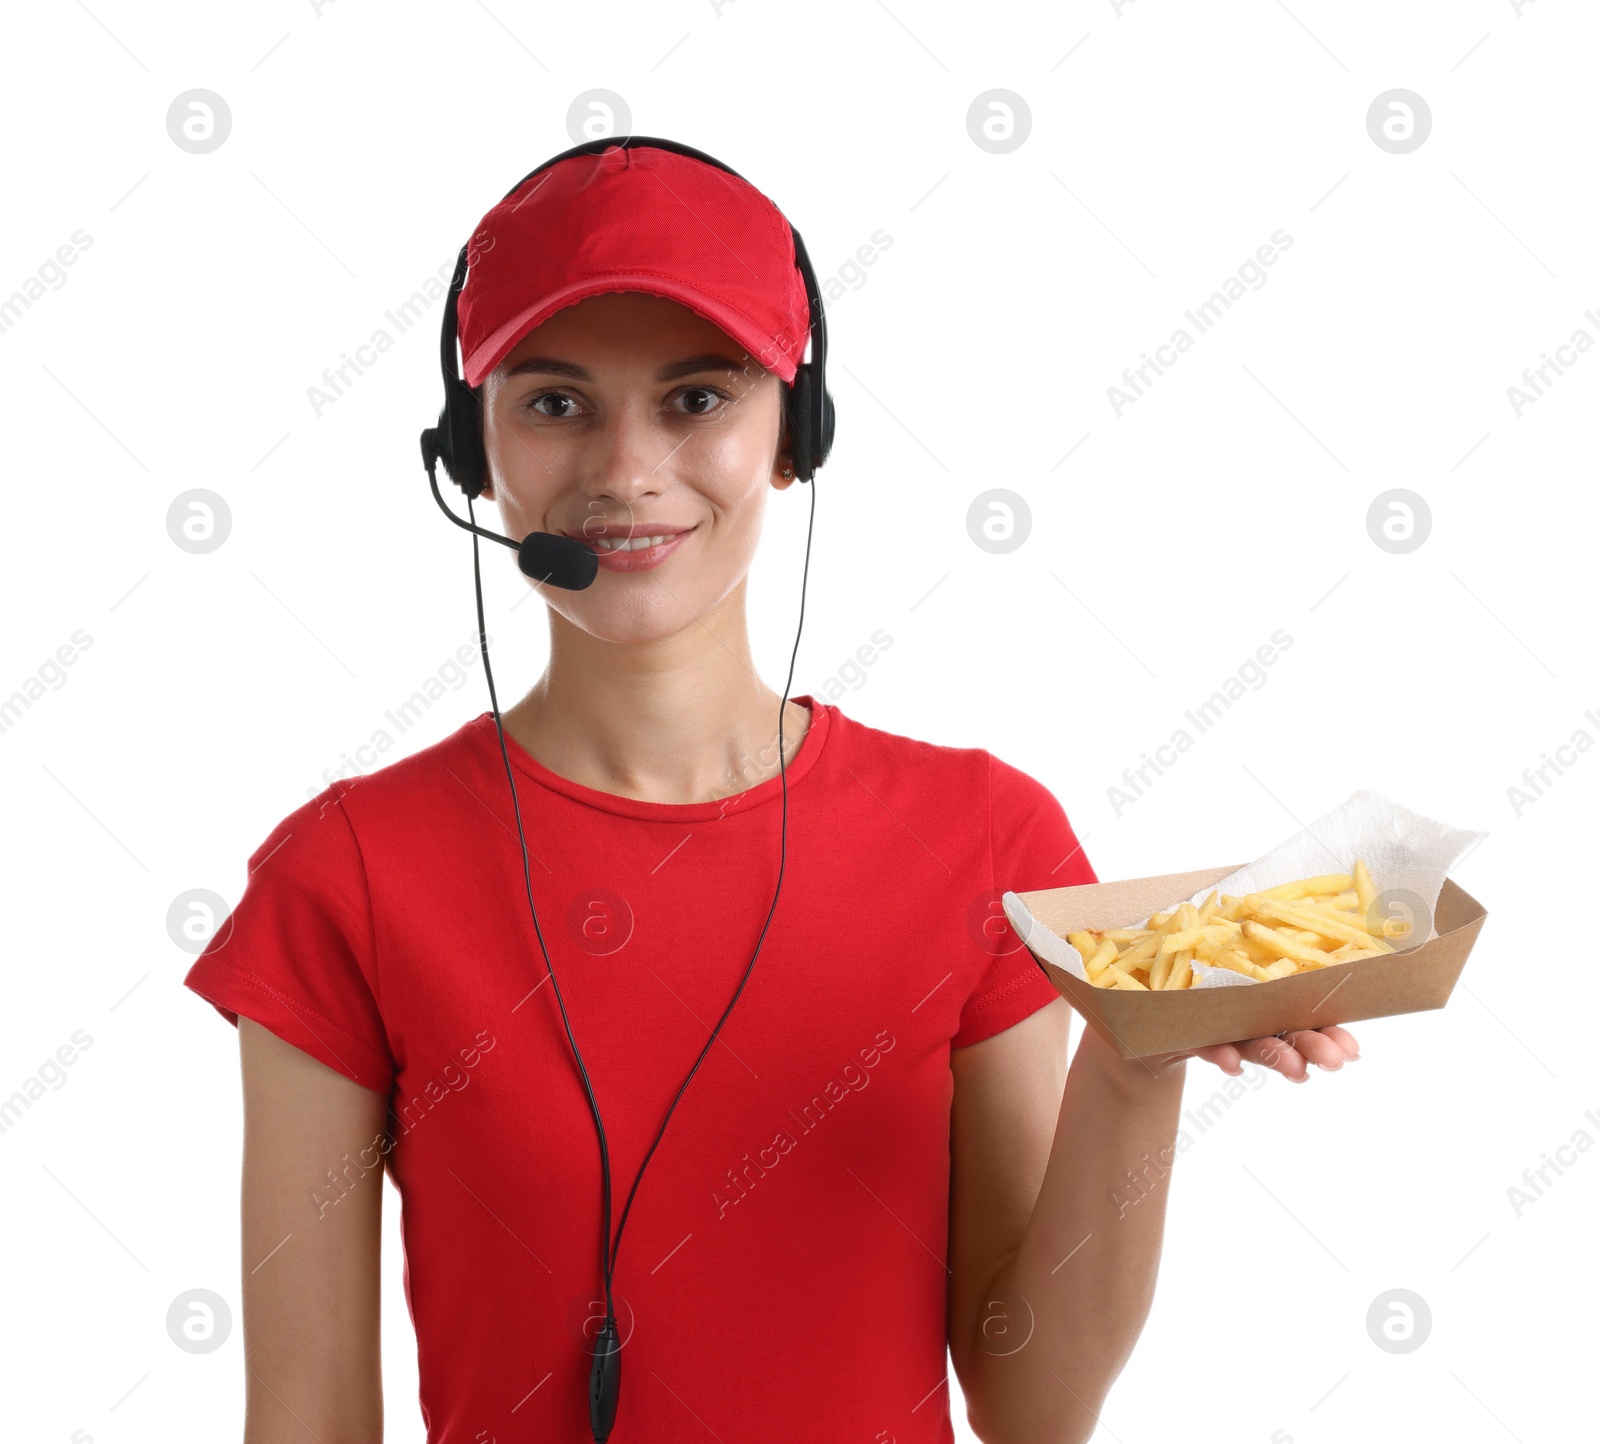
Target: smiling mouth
629,544
634,537
634,547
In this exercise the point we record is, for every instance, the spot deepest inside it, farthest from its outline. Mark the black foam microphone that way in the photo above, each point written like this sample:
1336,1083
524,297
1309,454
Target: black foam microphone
558,561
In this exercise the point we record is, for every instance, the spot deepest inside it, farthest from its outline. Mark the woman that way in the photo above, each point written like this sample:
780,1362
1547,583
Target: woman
882,1154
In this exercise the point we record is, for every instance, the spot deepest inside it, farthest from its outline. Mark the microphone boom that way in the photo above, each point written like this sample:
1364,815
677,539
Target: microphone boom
554,560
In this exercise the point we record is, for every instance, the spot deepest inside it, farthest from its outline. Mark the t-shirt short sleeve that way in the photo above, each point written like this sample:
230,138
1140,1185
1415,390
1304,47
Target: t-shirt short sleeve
1032,846
296,954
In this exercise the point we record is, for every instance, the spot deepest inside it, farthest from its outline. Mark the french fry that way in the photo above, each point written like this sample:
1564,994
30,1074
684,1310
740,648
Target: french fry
1255,951
1284,947
1366,893
1144,952
1304,887
1319,921
1190,937
1360,921
1225,957
1352,950
1104,957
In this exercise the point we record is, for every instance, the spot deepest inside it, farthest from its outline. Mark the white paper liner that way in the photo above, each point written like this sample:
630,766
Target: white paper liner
1404,851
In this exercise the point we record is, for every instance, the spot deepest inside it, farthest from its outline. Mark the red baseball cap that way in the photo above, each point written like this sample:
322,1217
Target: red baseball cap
634,218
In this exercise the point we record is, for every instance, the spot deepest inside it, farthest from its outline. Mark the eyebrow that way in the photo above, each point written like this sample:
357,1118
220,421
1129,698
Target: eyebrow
549,366
695,365
689,366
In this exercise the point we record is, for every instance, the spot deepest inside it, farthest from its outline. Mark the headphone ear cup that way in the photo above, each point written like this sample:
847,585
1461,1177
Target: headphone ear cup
442,443
799,419
461,441
827,426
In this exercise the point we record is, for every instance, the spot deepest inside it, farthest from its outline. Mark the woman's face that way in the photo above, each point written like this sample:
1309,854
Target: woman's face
625,417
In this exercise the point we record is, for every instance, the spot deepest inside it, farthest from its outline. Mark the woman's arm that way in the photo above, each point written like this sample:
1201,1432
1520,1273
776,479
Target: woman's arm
1058,1202
310,1247
1037,1342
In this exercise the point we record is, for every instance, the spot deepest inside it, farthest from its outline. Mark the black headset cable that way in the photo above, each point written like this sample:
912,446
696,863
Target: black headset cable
605,1375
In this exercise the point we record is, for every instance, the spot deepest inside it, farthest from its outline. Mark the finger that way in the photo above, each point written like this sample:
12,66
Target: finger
1346,1041
1318,1048
1224,1055
1280,1054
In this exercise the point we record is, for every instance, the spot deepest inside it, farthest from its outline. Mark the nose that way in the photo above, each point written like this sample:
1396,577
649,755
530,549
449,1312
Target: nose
632,455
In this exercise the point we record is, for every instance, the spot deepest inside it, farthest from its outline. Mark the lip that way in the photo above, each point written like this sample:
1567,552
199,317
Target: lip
635,561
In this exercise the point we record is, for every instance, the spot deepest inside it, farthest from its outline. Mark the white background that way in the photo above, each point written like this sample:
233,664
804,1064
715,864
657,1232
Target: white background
1167,142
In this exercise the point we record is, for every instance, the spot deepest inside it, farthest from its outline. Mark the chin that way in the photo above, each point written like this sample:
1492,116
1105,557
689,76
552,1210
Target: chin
630,621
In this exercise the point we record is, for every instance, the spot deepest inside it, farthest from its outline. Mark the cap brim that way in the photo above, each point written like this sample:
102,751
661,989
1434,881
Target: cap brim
765,350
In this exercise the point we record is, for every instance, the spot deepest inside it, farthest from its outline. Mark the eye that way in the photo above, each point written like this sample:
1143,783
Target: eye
702,400
536,405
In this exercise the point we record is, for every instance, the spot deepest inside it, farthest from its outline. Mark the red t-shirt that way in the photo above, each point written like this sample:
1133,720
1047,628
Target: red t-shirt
782,1273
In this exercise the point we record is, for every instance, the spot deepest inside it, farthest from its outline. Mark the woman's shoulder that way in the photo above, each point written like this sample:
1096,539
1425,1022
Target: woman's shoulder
865,740
942,791
935,764
898,748
398,787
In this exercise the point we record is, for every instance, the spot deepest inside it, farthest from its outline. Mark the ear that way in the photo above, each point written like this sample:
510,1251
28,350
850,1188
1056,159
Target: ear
785,457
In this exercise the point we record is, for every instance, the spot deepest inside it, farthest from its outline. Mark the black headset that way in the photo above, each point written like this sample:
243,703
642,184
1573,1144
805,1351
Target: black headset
562,561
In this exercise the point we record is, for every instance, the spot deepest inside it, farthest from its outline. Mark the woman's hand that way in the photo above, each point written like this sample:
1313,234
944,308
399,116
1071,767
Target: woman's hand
1291,1053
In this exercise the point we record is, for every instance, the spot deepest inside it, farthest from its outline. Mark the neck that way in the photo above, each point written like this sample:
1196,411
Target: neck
683,719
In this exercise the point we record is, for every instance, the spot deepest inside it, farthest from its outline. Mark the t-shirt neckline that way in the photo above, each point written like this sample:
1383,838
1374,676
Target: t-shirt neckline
735,801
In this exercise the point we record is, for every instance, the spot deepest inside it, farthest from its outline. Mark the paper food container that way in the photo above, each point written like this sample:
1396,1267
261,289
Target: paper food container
1408,857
